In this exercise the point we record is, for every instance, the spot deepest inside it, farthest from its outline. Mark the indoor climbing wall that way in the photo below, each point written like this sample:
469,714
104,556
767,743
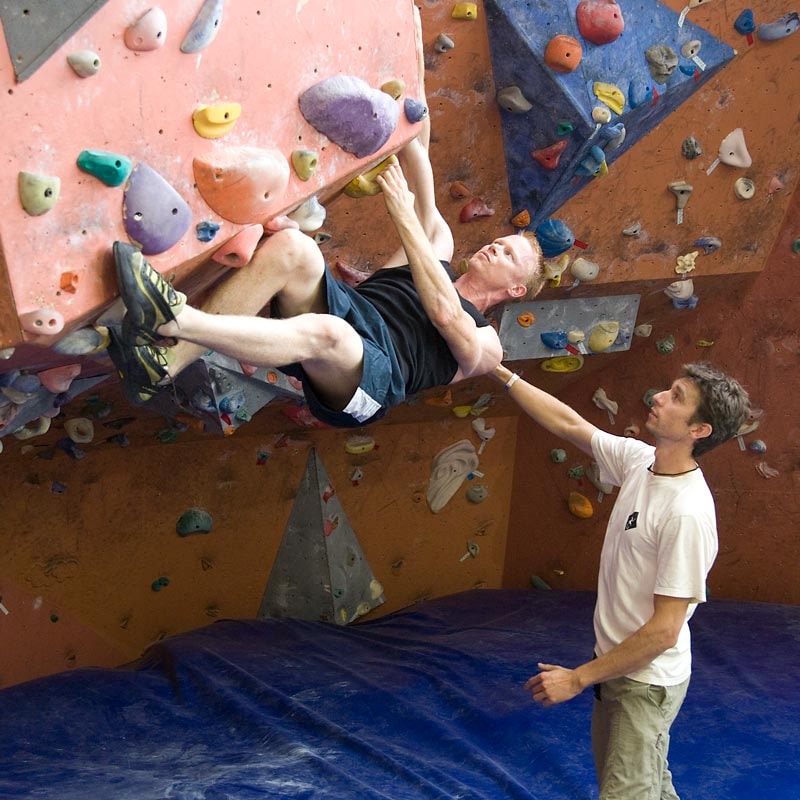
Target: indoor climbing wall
579,83
125,539
177,127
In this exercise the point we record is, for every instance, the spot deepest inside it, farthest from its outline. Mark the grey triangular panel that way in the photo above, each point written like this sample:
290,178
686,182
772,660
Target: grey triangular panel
320,572
35,29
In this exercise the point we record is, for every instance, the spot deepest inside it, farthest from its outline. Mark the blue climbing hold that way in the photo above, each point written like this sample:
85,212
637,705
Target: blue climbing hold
554,237
555,340
745,23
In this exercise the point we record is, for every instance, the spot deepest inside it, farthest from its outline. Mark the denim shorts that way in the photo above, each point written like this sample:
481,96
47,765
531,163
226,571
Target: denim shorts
381,378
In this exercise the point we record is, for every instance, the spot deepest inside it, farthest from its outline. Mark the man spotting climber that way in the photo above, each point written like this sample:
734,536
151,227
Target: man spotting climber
358,351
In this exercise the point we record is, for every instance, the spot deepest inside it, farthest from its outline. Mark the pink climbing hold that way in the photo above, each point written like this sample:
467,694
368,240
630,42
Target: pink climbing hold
599,21
474,209
59,379
350,275
239,249
549,156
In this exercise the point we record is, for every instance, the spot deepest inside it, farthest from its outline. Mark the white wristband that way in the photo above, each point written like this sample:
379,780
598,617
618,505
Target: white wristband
511,381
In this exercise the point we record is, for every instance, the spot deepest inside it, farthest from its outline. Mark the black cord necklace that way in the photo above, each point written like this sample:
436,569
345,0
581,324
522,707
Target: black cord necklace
672,474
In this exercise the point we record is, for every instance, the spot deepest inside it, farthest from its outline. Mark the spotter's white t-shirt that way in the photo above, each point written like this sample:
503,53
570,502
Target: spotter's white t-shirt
661,539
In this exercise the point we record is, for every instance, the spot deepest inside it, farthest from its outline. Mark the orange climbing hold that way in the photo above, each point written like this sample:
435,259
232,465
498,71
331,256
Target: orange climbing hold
526,319
521,220
579,505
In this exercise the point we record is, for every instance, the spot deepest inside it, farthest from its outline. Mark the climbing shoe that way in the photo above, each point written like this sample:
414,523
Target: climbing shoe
141,368
149,299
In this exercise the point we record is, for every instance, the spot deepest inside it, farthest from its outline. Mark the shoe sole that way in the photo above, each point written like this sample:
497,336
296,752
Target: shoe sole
141,300
136,390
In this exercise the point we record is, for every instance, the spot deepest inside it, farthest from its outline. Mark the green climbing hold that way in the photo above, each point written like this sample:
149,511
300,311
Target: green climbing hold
159,583
195,520
111,168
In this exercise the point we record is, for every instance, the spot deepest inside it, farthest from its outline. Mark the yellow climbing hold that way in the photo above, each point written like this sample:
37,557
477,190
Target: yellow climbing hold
394,87
365,185
562,364
462,411
465,11
579,505
609,94
603,335
705,343
305,163
213,122
356,445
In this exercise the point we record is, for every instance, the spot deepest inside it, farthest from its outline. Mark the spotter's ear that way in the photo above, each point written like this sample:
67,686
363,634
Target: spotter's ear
701,430
518,290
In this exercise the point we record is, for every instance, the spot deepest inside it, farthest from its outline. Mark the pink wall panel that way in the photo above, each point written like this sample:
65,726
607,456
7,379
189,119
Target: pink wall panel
140,105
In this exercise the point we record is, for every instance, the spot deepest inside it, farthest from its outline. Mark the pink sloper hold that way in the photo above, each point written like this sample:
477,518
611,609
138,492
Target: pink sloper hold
599,21
239,249
242,184
474,209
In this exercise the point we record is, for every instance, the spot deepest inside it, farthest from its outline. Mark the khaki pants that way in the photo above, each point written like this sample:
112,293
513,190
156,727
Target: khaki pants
630,738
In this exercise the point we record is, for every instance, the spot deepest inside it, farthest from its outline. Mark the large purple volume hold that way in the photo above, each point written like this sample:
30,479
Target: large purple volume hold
350,113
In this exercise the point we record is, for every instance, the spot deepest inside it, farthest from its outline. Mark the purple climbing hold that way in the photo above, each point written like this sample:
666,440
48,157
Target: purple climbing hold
350,113
415,110
779,29
155,215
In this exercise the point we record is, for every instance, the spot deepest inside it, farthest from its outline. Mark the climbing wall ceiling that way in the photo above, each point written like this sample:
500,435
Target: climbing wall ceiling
579,83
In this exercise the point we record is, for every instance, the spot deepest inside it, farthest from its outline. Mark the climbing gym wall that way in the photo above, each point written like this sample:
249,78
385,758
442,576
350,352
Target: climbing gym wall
94,565
711,249
179,126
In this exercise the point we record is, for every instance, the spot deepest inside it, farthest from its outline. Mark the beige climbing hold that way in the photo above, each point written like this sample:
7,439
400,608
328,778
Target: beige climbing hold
450,469
584,270
214,121
733,150
644,330
365,185
84,63
394,88
305,163
744,188
686,263
680,290
576,336
512,99
38,193
43,321
79,429
465,11
602,400
310,215
38,427
593,476
603,335
601,115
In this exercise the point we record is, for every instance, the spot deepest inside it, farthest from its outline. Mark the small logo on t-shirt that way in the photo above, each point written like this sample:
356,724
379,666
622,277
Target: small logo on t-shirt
631,523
